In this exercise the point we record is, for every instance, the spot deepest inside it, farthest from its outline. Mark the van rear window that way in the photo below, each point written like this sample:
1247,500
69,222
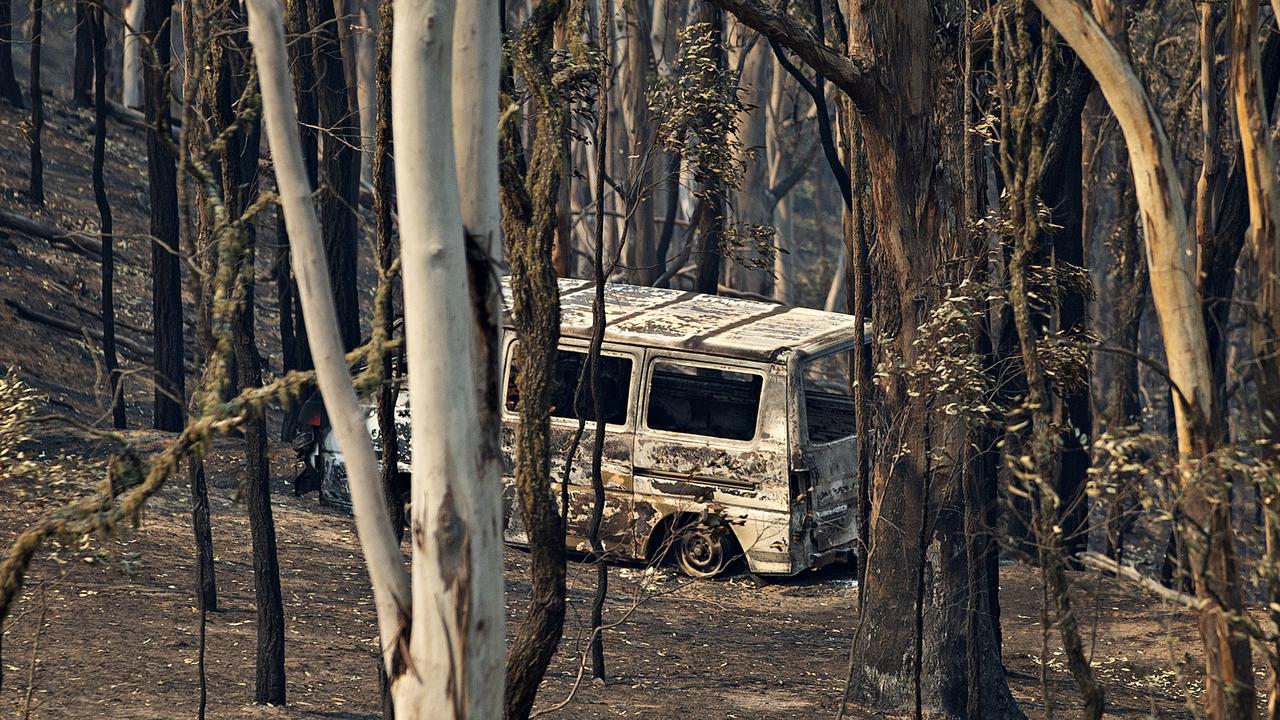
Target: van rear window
615,387
828,397
704,401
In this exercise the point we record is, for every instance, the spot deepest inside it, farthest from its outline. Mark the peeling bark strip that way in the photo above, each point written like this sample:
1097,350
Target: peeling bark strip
1172,263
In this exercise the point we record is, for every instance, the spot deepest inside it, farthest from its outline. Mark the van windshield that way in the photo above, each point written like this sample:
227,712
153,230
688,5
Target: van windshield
828,397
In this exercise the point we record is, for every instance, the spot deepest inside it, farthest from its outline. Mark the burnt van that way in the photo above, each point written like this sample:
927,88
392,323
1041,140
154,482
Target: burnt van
729,431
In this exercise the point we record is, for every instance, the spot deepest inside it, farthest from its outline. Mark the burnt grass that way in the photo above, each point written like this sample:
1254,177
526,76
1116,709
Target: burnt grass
119,631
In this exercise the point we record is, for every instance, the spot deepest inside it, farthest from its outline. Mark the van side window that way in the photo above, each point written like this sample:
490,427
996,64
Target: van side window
615,386
704,401
828,397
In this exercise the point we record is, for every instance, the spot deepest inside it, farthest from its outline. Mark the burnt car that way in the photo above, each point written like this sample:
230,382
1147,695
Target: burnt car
728,431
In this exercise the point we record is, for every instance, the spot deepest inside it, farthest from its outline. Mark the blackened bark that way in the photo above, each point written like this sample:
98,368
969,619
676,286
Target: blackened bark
82,61
269,686
35,188
913,139
393,486
530,196
597,342
95,22
239,185
298,26
710,251
282,276
10,91
206,576
339,170
162,182
857,283
1062,189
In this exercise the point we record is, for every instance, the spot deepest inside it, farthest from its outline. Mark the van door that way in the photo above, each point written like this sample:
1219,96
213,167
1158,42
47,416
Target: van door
712,437
825,449
618,383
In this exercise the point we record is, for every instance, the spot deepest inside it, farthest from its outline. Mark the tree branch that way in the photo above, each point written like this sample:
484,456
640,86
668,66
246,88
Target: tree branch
851,74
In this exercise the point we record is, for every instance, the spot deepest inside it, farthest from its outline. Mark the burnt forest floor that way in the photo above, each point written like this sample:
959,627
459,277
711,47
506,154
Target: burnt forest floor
118,637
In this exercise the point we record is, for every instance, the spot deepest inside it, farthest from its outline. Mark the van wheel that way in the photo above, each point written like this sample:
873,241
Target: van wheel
701,552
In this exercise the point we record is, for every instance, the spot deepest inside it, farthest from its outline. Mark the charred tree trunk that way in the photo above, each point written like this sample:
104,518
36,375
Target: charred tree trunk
913,141
383,201
1119,271
289,320
339,169
1063,192
638,252
35,187
166,266
10,91
1253,121
711,229
82,62
95,21
597,341
530,198
240,185
239,168
294,348
910,651
203,91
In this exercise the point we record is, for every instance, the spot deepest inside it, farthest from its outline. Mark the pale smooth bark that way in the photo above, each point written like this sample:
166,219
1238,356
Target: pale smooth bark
751,202
777,153
477,63
835,291
377,541
457,646
364,46
131,77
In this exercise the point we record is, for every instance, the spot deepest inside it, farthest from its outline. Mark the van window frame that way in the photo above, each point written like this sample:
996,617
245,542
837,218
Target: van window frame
803,400
608,350
654,358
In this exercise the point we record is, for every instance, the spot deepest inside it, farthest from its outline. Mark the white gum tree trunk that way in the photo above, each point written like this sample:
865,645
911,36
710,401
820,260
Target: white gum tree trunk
457,644
449,663
365,46
382,554
778,152
131,75
477,63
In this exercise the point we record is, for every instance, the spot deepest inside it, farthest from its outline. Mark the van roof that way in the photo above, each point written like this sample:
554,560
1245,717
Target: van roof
684,320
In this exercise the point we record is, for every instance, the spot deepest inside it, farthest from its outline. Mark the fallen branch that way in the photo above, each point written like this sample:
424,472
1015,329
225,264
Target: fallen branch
71,328
134,118
1101,562
746,295
76,242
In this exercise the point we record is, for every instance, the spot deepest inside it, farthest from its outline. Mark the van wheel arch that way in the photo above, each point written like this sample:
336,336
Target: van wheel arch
655,553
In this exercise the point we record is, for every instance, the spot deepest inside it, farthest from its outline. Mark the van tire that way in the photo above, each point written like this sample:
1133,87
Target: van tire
701,552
